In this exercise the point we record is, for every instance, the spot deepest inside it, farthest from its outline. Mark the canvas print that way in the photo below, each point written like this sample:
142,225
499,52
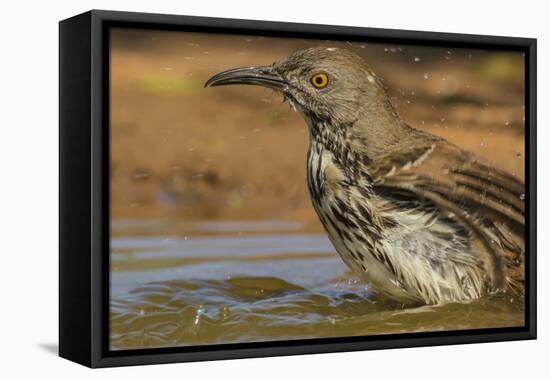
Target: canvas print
266,189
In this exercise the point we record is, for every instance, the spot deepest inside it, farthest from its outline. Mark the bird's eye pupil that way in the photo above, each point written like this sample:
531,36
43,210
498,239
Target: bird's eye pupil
319,80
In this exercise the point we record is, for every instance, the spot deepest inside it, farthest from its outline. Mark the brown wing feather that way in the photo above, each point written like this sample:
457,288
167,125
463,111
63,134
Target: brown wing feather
487,200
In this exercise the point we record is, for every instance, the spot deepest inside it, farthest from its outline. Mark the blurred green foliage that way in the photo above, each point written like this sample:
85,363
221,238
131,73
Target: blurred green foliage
502,67
169,85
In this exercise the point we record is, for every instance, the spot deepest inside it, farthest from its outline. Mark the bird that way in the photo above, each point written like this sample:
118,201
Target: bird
420,219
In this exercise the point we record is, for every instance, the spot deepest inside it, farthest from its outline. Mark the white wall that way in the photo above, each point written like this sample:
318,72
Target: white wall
29,174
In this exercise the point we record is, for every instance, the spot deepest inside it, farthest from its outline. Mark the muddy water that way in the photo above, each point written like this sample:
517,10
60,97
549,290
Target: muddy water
177,283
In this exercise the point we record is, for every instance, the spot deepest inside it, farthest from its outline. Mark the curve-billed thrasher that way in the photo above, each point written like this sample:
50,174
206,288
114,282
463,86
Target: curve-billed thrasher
421,219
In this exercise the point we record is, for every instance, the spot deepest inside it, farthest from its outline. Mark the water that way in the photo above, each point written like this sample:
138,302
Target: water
176,284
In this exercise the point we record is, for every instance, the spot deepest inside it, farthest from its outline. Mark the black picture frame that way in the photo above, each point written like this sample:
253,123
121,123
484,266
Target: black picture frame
84,188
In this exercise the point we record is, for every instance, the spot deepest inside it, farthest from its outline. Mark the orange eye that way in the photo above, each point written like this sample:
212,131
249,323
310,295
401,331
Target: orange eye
319,80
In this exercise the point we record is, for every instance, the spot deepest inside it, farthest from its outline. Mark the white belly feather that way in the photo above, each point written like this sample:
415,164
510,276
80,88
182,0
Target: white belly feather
420,259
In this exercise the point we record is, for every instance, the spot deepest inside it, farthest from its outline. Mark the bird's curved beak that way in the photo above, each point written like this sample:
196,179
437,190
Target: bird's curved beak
262,76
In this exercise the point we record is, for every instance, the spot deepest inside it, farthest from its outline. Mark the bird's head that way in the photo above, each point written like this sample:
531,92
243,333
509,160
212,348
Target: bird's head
331,87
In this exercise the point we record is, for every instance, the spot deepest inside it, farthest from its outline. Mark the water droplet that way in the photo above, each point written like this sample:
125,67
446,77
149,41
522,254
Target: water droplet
426,75
197,318
507,123
417,59
518,155
224,311
482,143
522,196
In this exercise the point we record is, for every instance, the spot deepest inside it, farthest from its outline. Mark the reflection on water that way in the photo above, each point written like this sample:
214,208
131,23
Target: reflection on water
227,282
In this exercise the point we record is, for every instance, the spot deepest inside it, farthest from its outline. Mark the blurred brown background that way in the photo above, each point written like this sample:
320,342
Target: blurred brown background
182,151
